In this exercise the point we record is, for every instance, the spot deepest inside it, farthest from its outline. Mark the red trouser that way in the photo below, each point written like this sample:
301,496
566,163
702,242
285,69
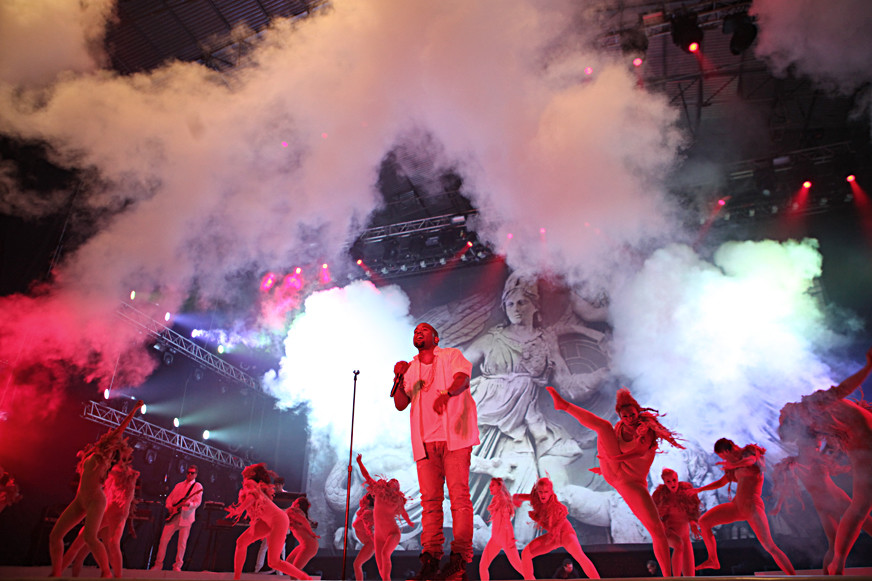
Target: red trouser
438,468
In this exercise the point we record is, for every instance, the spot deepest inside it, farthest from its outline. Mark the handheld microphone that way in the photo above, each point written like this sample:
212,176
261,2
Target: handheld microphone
398,381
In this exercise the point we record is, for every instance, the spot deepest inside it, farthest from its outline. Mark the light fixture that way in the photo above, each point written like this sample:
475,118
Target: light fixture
634,45
744,31
686,33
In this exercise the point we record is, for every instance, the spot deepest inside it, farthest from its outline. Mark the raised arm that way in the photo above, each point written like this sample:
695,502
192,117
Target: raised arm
401,398
117,431
849,385
363,470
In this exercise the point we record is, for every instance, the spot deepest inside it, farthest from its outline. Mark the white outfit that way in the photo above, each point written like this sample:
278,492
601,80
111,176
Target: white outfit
181,523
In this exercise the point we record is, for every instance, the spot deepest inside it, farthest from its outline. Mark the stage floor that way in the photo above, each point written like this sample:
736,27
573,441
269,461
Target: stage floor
864,573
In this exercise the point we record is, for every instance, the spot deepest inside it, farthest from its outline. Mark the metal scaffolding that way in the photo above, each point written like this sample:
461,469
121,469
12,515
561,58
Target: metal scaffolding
171,339
108,416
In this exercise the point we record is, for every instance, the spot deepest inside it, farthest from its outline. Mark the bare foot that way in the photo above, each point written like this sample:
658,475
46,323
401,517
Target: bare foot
709,564
559,402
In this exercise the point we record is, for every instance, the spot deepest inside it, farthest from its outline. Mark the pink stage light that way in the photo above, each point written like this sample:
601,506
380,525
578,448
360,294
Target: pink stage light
267,282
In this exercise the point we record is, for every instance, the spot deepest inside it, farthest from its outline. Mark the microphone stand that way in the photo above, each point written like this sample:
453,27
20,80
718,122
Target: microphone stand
348,484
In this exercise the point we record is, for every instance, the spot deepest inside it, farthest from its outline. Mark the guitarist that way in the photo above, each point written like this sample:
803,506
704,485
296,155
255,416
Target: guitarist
182,503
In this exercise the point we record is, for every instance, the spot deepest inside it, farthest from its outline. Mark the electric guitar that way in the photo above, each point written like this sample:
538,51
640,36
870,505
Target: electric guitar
176,508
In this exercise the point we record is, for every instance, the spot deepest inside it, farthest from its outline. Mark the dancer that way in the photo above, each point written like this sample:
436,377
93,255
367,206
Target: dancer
260,561
550,514
626,452
302,528
389,504
814,469
502,537
266,520
9,491
95,460
679,509
363,526
744,466
847,425
120,488
182,504
444,429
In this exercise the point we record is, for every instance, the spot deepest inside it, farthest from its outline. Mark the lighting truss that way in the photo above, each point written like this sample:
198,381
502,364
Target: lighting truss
107,416
748,203
170,338
432,224
413,266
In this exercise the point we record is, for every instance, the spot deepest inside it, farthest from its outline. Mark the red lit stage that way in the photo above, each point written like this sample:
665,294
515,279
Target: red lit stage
12,573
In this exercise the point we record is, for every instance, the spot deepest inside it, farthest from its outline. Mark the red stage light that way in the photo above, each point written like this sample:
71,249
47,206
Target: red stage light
637,62
693,47
722,202
267,282
851,178
359,262
806,184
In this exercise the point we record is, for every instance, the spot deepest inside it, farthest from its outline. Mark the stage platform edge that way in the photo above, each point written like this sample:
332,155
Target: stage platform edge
13,573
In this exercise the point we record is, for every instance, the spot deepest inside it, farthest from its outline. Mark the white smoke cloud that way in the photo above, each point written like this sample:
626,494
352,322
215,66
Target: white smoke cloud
721,346
356,328
830,44
41,40
199,176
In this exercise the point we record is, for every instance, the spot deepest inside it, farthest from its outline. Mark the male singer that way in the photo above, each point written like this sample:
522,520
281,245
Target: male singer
444,425
182,504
